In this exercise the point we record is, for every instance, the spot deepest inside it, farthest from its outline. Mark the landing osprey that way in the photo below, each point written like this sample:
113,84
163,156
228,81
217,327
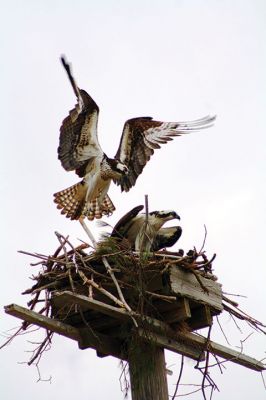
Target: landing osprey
151,238
80,151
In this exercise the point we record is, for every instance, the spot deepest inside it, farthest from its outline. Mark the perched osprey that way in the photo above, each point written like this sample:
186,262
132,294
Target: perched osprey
132,227
80,151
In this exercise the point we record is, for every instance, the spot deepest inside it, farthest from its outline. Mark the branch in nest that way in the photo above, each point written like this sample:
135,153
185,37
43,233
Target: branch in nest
90,282
245,317
109,270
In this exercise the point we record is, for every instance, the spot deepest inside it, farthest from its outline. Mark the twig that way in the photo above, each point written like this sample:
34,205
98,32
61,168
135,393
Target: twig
217,319
109,270
38,352
208,262
244,317
204,239
40,379
56,253
232,302
88,325
179,377
11,338
236,295
146,207
119,291
123,379
205,374
263,381
219,363
189,393
101,289
86,229
161,296
144,240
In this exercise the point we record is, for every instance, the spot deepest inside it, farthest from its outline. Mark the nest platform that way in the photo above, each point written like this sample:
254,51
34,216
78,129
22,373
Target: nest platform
103,298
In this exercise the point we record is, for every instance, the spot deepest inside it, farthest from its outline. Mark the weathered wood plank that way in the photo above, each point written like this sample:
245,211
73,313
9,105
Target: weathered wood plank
166,332
103,344
86,303
159,326
185,284
181,312
201,318
86,337
115,312
223,351
176,346
41,320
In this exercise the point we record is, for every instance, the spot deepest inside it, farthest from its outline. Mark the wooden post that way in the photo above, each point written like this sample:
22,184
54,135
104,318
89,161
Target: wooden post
147,372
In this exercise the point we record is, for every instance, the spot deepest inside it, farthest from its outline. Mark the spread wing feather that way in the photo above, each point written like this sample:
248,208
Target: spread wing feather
142,135
123,225
78,141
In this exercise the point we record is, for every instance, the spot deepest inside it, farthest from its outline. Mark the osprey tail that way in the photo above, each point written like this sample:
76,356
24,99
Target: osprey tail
72,202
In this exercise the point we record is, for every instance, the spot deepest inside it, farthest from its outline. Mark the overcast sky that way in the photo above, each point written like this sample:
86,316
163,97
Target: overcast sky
172,60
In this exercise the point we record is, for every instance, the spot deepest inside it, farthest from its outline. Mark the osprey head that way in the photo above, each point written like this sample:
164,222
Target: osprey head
117,168
166,215
120,168
158,218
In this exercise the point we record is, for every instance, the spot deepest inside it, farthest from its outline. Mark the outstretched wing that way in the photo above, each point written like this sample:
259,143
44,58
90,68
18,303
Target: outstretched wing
78,141
142,135
123,225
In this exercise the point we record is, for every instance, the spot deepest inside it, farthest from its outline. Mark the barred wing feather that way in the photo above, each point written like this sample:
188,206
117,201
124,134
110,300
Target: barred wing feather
78,141
142,135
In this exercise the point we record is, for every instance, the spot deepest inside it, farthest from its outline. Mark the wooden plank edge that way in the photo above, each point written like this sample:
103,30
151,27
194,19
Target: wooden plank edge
159,326
41,320
103,344
234,356
68,297
190,288
195,340
201,318
115,312
86,337
180,347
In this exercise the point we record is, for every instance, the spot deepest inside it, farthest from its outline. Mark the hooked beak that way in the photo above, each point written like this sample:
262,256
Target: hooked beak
175,215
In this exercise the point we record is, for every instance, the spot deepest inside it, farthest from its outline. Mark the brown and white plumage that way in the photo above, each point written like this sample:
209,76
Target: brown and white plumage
79,150
141,136
150,236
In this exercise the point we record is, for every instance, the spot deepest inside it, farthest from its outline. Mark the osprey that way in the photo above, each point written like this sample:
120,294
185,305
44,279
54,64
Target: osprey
132,227
79,150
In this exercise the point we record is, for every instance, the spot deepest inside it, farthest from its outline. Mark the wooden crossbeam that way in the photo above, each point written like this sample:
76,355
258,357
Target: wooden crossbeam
85,337
223,351
164,333
68,297
152,324
85,302
159,326
176,346
41,320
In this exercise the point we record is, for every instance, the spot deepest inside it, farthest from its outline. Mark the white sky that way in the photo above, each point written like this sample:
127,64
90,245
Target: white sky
172,60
